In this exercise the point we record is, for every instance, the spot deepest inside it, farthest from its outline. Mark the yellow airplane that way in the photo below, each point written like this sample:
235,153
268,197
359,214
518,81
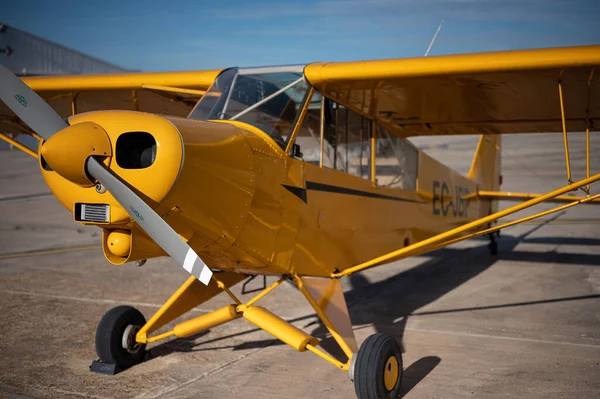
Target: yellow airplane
303,172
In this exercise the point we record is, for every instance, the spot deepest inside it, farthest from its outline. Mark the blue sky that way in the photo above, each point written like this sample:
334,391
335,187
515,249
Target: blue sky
186,35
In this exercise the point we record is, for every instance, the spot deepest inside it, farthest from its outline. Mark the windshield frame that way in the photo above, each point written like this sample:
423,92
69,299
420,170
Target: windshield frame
296,68
220,106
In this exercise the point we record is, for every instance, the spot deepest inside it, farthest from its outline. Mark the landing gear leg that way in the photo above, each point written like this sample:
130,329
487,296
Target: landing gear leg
122,334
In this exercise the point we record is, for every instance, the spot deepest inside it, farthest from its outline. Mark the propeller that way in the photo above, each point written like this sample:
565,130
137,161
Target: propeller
28,106
43,120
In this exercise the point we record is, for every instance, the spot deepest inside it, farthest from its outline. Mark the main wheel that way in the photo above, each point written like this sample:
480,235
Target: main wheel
115,337
378,368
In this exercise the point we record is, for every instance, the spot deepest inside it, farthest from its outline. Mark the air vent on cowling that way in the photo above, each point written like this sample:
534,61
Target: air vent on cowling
96,213
135,150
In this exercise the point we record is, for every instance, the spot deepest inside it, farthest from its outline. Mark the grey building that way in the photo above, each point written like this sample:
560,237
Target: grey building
28,55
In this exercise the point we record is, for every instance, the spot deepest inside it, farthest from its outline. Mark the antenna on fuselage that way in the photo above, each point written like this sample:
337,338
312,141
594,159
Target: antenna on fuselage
434,37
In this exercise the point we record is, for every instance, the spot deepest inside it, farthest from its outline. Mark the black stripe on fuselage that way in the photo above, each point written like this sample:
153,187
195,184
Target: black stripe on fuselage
314,186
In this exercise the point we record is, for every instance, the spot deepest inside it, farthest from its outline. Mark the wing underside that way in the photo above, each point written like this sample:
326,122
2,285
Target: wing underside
167,93
485,93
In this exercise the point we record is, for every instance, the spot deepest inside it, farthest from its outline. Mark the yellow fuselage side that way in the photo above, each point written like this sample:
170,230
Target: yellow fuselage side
246,206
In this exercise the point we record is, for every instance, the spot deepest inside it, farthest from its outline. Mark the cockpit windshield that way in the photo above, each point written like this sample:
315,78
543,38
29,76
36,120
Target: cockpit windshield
268,98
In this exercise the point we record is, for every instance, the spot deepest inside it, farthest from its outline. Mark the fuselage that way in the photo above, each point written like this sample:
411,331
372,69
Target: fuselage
238,199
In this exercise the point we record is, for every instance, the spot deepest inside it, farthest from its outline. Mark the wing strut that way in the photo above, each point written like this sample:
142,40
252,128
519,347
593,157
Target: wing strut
437,240
514,196
518,221
585,189
564,128
20,146
587,128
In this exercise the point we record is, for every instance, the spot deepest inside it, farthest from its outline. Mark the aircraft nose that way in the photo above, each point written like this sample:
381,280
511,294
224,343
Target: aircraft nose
144,151
67,151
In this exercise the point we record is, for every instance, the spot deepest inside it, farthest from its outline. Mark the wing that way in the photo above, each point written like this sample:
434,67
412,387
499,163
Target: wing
484,93
169,93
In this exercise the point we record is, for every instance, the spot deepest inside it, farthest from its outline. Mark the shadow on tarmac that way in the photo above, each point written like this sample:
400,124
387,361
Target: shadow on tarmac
416,372
387,305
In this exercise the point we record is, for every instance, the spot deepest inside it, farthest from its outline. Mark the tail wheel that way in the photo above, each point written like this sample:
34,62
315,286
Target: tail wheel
378,368
493,245
115,337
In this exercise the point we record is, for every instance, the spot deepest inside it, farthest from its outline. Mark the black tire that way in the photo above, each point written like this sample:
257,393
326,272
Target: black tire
109,337
375,355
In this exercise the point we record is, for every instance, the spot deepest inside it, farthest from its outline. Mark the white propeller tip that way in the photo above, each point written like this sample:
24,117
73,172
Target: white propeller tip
205,275
194,265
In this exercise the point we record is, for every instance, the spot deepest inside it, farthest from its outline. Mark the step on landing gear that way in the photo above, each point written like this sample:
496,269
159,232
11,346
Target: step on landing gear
377,368
115,340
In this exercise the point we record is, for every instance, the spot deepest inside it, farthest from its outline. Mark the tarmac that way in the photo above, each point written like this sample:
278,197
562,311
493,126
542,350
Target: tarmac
525,323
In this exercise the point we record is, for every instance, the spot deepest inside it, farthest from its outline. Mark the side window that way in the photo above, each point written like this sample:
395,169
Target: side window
309,135
347,144
396,161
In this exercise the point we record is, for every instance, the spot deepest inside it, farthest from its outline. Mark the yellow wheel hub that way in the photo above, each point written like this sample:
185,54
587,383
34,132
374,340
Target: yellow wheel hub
390,374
